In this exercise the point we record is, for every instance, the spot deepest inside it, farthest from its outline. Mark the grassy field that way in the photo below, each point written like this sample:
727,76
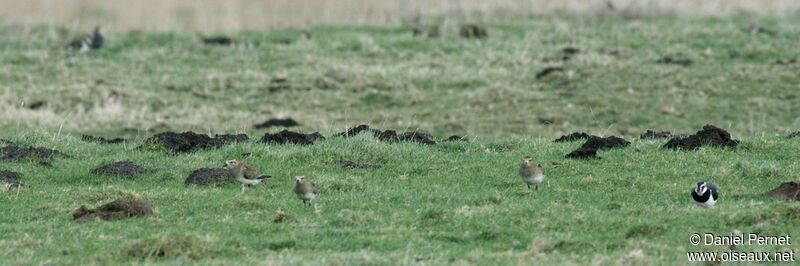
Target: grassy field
259,15
151,82
454,202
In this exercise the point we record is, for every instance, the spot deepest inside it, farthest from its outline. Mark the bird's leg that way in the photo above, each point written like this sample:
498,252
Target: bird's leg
242,190
537,187
529,186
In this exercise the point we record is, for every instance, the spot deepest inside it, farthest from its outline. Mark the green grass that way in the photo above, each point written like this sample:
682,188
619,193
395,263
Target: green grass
150,82
457,202
461,202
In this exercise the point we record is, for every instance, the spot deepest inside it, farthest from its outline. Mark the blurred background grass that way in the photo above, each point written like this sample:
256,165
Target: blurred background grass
238,15
363,65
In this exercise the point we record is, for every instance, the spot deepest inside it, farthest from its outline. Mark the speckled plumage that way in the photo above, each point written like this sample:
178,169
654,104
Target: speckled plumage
531,172
304,189
244,173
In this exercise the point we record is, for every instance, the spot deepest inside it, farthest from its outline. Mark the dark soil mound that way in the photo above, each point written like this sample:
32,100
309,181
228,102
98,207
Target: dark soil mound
223,139
292,137
279,84
390,135
431,32
37,105
418,137
9,179
351,164
456,138
124,169
190,141
115,210
669,60
209,176
473,31
548,71
102,140
573,137
353,131
583,154
606,143
13,153
569,52
651,134
709,136
218,40
589,149
786,62
287,122
793,135
788,191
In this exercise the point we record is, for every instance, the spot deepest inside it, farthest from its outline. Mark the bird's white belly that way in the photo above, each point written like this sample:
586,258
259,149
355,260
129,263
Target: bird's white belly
248,181
308,196
709,203
536,179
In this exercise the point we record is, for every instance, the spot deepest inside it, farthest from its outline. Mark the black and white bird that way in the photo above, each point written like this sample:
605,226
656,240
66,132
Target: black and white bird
93,42
705,194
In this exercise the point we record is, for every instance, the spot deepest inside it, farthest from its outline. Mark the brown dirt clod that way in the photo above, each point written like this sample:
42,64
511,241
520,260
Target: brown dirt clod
115,210
573,137
569,52
473,31
589,149
190,141
9,179
456,138
431,32
788,191
277,122
37,105
352,165
291,137
209,176
102,140
218,40
669,60
390,135
15,154
223,139
124,169
709,136
652,134
549,71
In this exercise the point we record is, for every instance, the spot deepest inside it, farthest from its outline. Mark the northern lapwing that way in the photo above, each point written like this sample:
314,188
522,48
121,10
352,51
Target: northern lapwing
92,42
705,194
